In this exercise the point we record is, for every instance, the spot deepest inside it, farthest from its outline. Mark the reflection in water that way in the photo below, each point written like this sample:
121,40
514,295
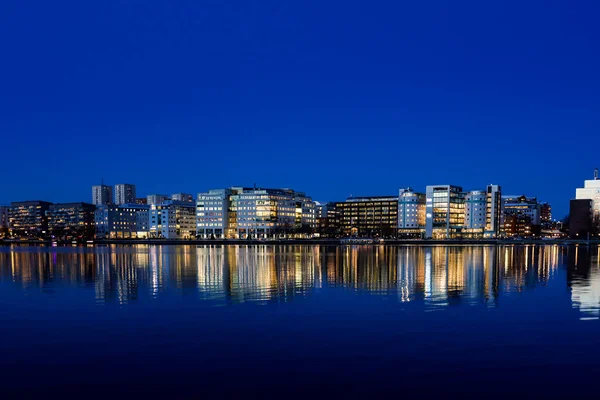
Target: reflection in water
438,276
583,277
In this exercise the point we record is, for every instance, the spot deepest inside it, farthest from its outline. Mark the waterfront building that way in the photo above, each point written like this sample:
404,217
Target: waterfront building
591,191
102,194
114,222
518,225
581,219
214,215
127,221
4,222
28,218
521,206
154,199
305,214
172,220
325,219
375,216
71,220
545,212
264,213
411,214
493,216
124,193
445,212
475,214
183,197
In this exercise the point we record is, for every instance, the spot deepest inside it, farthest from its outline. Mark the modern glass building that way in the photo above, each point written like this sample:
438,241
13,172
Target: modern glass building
445,212
71,220
28,218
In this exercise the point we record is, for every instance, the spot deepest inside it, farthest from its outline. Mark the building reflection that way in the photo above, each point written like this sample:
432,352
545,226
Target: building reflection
438,276
583,278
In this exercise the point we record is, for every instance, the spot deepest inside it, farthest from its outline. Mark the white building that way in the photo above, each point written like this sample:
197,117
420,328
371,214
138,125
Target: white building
475,210
411,214
493,211
182,197
212,214
102,195
445,212
154,199
591,191
124,193
173,220
257,213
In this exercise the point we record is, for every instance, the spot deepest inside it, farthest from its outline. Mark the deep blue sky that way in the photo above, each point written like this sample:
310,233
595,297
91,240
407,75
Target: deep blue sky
328,97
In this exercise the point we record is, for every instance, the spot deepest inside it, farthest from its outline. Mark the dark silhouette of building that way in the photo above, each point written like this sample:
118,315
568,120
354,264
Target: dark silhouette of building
71,220
581,219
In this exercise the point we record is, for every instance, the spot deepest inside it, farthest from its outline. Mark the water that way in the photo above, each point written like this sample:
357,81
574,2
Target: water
298,321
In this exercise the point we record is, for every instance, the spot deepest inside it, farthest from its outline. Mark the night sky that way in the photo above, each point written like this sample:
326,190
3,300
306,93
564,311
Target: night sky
328,97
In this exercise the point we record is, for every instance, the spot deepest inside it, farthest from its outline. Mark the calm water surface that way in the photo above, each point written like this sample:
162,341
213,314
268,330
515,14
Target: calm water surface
291,321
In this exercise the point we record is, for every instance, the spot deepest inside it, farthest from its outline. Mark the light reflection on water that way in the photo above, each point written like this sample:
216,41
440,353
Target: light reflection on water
436,276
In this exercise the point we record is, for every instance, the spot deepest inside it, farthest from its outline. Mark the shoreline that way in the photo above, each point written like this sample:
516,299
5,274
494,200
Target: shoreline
309,242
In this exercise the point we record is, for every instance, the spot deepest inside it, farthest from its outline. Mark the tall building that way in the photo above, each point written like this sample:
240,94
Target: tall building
581,219
411,214
71,220
173,220
475,213
102,194
493,219
4,222
28,218
183,197
591,191
375,216
124,193
154,199
325,219
305,216
545,212
445,212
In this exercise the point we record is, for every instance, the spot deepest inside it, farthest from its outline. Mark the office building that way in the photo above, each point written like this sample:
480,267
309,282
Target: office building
545,213
4,223
183,197
102,195
591,191
529,212
325,219
375,216
124,193
141,200
581,219
28,218
114,222
142,218
305,215
214,215
264,213
172,220
154,199
445,212
411,214
475,214
493,218
71,220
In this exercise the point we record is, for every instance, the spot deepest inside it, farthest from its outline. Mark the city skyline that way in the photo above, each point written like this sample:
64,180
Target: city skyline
408,94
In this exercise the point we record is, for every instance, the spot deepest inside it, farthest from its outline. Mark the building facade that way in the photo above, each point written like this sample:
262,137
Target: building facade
213,212
102,195
28,218
125,193
529,211
445,212
4,221
581,219
411,214
591,191
71,220
154,199
188,198
375,216
114,222
493,219
475,214
172,220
